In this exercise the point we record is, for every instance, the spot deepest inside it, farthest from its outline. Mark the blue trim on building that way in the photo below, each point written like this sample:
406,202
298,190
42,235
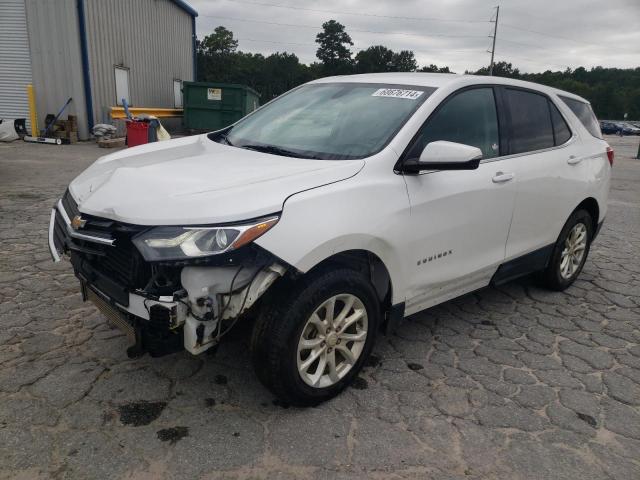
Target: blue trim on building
86,78
195,56
186,7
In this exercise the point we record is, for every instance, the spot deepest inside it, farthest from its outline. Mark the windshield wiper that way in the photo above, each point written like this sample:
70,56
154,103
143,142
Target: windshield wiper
274,150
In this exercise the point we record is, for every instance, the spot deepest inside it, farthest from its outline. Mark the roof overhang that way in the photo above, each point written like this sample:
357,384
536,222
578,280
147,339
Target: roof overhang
186,7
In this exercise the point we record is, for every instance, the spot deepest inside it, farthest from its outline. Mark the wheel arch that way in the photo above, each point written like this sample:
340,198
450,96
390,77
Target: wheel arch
365,262
371,265
591,205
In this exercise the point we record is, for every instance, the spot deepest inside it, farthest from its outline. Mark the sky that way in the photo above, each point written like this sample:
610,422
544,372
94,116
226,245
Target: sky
534,35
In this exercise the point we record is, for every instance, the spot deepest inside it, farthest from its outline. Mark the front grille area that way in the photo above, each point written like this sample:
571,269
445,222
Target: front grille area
122,262
115,269
109,261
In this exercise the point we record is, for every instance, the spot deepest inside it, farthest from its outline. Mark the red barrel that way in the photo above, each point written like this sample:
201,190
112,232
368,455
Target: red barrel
137,133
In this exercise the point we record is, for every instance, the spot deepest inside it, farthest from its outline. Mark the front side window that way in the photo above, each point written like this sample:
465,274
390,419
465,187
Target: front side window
585,114
531,127
329,121
469,118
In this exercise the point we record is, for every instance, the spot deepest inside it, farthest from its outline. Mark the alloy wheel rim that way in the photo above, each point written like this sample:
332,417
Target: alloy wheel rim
332,340
575,246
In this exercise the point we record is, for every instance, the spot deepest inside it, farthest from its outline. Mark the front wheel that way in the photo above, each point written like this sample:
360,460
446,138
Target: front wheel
313,337
570,252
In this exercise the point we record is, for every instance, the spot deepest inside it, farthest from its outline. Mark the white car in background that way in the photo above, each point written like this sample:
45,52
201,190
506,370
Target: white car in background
333,212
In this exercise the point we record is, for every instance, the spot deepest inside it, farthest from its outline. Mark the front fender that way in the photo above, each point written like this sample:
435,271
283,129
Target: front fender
361,213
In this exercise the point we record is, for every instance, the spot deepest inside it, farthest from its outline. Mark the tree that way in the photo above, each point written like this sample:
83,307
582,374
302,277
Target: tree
381,59
404,61
220,42
611,91
216,55
435,69
333,50
500,69
374,59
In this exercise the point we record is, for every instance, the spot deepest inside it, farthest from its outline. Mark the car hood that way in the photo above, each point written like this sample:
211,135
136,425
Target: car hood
193,180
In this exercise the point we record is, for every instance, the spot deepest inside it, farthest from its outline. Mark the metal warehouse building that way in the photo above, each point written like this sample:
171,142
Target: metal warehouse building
95,51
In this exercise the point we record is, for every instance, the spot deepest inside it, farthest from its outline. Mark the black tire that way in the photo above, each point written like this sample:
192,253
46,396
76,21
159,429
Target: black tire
551,276
279,325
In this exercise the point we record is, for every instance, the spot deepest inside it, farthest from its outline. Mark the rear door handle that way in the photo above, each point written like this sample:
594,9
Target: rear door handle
501,177
573,160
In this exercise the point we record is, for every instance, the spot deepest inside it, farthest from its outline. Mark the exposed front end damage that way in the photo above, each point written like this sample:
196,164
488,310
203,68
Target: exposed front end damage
217,296
163,307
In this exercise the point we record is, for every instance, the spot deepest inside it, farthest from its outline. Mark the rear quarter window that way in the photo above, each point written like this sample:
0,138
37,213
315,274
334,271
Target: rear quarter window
585,114
561,131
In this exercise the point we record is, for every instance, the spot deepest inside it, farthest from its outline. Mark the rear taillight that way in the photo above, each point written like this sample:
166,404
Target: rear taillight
610,155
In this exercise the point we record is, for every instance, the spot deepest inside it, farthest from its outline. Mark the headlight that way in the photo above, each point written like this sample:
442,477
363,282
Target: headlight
179,243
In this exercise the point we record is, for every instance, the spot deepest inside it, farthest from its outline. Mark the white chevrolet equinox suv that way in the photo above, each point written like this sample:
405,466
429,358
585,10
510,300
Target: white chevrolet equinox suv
331,213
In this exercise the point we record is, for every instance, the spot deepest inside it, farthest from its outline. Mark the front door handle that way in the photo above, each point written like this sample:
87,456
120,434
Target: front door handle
501,177
573,160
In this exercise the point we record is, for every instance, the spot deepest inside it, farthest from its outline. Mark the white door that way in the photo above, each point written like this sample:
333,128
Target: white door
122,85
460,218
548,187
177,93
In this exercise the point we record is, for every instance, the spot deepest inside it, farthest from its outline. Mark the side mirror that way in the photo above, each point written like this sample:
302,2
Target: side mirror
442,155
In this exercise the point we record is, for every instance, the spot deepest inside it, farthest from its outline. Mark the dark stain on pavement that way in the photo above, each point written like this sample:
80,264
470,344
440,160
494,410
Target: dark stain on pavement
488,323
210,402
173,434
140,413
221,379
25,196
372,361
587,419
280,403
414,366
360,383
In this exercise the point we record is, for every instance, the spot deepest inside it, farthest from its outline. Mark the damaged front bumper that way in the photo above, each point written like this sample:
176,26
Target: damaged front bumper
162,307
217,296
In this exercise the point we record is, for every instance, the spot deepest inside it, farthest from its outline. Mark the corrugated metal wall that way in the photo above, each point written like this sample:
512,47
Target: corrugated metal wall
15,63
153,38
55,57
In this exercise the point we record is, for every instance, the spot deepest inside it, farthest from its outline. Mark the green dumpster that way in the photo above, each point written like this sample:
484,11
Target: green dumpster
212,106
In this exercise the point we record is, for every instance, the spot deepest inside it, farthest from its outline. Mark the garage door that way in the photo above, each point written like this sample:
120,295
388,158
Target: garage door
15,62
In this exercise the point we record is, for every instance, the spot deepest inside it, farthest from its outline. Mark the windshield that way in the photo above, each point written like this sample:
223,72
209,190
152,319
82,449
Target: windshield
329,120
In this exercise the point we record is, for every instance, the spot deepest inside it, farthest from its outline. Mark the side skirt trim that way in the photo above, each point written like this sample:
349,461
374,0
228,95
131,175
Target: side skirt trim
518,267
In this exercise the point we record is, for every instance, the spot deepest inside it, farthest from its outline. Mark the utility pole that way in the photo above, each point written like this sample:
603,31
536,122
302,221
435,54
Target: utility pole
495,33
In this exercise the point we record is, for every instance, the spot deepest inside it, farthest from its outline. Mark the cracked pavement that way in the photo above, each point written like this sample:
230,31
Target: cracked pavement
512,382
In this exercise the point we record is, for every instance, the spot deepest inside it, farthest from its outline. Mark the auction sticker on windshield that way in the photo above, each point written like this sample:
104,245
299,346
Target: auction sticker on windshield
397,93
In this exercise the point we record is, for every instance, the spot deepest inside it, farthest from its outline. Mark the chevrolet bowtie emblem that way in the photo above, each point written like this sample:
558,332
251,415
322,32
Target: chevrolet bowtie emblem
78,222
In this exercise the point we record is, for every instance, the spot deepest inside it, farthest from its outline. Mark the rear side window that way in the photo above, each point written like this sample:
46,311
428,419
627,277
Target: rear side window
468,117
561,131
531,127
584,113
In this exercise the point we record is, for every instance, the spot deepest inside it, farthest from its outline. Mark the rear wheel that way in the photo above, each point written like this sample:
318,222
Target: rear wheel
314,335
570,252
